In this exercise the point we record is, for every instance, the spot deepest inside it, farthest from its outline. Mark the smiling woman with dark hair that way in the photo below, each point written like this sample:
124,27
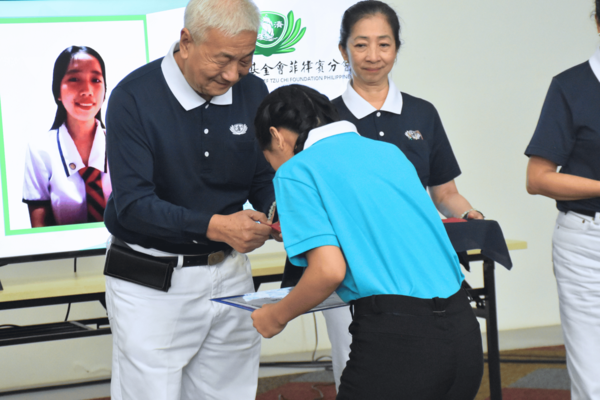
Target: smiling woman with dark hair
66,172
354,214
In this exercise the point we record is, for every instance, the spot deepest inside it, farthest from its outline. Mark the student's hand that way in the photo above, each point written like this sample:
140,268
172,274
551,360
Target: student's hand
240,230
265,321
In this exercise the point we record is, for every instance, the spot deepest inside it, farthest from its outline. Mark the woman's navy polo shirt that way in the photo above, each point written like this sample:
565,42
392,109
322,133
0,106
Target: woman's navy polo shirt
568,131
410,123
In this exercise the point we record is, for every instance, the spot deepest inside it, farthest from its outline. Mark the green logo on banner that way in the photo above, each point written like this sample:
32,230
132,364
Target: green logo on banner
278,34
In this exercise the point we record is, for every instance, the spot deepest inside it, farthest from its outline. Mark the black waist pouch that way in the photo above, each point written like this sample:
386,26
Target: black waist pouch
132,266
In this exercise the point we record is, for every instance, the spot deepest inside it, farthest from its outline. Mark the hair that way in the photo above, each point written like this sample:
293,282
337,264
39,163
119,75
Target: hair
230,16
364,9
297,108
60,69
598,11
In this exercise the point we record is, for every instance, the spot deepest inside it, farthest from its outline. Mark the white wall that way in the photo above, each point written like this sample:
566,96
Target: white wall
486,66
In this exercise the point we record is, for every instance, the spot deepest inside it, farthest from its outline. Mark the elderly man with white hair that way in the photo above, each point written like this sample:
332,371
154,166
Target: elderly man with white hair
180,142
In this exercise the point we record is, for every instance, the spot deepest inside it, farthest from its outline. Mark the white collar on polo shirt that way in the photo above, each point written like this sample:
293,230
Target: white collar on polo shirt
71,154
595,63
325,131
360,107
183,92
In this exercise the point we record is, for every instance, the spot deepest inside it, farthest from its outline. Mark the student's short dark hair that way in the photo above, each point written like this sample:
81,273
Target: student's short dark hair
297,108
60,69
598,11
364,9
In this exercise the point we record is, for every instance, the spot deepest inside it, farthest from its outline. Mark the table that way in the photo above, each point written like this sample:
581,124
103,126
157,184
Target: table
266,267
84,286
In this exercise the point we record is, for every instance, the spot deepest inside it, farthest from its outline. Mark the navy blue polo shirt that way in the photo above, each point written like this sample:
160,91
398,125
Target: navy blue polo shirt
568,131
410,123
176,160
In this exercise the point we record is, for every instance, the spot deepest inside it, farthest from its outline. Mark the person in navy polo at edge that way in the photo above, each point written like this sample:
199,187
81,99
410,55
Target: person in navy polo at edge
184,160
568,135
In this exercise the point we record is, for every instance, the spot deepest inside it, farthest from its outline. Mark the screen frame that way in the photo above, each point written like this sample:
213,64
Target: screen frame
69,253
52,256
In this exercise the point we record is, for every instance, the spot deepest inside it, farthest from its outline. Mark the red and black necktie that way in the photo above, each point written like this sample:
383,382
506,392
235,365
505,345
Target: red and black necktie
93,194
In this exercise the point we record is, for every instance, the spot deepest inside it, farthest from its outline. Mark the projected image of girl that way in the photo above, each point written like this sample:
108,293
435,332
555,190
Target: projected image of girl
66,171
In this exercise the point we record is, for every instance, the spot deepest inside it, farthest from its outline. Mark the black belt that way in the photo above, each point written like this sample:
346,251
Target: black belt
188,261
202,259
394,304
585,212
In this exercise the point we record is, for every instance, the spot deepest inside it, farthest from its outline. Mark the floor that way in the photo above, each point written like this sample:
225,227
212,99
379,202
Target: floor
523,338
542,377
92,391
99,390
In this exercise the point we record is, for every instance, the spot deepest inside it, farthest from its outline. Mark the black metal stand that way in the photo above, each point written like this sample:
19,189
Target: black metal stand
54,331
486,236
49,301
493,345
485,301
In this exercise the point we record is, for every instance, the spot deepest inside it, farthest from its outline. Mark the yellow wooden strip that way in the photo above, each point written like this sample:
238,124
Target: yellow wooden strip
52,286
510,243
267,263
516,244
88,282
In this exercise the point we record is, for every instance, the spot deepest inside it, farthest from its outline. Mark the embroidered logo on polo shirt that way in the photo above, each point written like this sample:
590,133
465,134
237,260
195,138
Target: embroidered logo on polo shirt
414,135
238,129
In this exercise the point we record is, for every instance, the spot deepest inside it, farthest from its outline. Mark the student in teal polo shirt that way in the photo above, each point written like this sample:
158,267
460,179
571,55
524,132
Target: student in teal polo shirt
354,213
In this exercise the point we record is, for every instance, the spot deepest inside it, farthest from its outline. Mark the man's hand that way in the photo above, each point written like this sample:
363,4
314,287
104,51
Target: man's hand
240,230
265,321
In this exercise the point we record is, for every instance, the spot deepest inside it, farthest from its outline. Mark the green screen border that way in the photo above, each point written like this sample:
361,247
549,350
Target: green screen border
37,20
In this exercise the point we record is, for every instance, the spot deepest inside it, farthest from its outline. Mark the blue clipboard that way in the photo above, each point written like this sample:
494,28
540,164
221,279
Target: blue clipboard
254,301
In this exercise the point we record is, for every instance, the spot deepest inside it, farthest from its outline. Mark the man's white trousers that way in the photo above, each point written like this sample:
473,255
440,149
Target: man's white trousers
179,345
576,254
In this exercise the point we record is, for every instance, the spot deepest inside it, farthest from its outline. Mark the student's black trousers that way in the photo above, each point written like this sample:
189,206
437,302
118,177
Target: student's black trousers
414,349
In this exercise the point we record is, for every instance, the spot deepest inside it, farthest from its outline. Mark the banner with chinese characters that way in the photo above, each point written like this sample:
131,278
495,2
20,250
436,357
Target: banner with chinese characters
298,44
